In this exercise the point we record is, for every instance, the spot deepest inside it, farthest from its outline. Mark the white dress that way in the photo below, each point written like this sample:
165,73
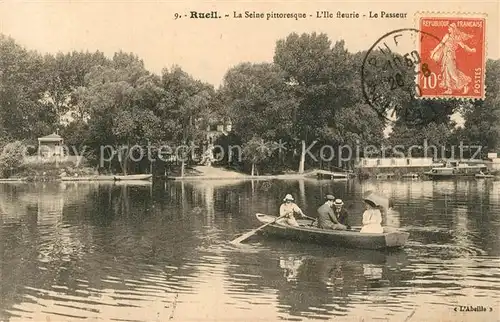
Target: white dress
372,222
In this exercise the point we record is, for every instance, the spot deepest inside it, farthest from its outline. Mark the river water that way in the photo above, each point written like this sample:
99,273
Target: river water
107,252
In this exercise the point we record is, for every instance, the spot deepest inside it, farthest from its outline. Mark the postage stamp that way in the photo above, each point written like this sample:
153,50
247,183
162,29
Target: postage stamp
455,58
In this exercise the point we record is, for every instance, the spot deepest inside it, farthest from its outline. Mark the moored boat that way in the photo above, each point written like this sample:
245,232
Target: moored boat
130,177
134,177
346,238
455,169
442,173
484,176
88,178
411,175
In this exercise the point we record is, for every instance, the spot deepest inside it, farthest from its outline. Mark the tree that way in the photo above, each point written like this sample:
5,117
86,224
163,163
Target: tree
482,118
21,113
430,140
258,101
325,80
62,75
184,110
257,150
117,115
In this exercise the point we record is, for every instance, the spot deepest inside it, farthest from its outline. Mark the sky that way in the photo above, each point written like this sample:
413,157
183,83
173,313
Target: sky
207,48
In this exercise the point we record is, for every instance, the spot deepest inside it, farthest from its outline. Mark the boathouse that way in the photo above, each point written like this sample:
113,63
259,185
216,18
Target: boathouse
50,146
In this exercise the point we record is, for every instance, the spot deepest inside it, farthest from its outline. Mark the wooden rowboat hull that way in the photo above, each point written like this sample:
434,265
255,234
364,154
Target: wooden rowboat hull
351,239
134,177
88,178
109,178
484,176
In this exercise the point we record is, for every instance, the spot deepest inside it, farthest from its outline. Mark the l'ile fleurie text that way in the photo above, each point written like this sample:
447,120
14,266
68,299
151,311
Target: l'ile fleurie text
325,14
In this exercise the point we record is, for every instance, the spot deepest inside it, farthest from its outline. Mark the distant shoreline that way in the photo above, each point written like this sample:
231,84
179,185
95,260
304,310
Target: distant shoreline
228,175
243,177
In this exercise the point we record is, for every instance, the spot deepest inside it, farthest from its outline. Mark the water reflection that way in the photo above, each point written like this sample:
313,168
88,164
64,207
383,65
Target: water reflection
156,251
290,266
314,281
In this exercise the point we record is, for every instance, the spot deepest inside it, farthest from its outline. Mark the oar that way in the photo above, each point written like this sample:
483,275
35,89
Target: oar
313,220
310,218
250,233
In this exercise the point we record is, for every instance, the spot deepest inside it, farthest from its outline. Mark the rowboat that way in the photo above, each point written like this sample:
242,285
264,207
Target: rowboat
411,175
134,177
484,176
131,177
346,238
89,178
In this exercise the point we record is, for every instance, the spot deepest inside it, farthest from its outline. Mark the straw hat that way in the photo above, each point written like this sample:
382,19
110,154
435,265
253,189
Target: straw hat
338,202
288,197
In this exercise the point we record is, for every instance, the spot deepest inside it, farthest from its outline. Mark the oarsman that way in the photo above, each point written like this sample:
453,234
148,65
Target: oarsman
288,210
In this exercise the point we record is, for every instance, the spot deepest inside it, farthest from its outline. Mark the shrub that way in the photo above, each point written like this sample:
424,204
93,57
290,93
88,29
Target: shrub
11,157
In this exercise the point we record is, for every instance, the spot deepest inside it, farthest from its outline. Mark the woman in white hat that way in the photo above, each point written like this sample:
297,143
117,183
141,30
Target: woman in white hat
372,217
288,209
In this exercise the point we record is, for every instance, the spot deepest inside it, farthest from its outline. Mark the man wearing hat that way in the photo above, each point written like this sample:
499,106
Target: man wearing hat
341,213
326,215
288,209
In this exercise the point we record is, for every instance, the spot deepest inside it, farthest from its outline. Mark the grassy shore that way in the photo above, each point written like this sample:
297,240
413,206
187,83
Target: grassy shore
48,171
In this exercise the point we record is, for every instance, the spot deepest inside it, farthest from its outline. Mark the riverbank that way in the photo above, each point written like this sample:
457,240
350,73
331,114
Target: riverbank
100,178
243,177
66,171
213,173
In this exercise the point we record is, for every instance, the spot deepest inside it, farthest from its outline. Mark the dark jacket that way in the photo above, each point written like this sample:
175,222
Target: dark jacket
342,216
326,217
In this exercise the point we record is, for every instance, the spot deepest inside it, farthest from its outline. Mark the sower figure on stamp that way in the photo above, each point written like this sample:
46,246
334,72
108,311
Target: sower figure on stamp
445,53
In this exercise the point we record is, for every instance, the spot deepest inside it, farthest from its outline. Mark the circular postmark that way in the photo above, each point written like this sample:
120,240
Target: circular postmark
390,70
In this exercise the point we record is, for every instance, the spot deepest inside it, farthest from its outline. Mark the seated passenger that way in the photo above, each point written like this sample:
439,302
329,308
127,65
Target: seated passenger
372,219
340,213
326,216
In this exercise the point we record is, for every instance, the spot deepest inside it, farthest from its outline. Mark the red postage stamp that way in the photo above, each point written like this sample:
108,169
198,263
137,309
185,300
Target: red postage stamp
453,58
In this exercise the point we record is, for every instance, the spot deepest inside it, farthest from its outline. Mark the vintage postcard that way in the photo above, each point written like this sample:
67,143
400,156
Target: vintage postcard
249,160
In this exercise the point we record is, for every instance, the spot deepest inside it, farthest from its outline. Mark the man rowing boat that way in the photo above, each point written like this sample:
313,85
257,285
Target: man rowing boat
288,209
